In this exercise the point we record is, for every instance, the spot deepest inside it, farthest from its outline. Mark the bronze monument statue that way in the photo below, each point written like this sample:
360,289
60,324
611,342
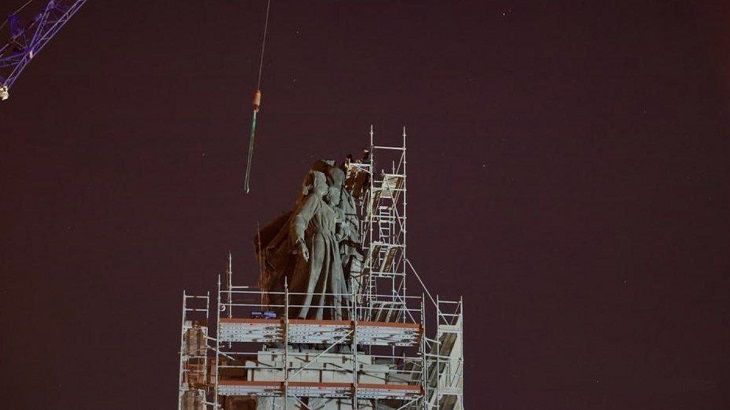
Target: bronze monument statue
315,249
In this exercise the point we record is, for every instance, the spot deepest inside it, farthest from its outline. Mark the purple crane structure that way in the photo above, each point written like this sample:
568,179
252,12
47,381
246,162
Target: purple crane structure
27,40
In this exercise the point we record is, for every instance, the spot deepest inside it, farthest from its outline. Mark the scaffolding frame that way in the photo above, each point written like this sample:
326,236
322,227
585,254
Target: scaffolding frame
385,221
384,325
192,314
232,333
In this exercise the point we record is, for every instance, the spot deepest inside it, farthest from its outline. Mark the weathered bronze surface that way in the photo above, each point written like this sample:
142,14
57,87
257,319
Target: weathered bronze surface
315,248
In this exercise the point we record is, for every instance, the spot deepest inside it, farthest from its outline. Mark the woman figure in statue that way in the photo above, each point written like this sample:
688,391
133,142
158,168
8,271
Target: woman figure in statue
319,268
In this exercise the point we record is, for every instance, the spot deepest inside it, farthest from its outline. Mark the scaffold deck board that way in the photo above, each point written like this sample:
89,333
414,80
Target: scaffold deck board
251,330
319,331
310,389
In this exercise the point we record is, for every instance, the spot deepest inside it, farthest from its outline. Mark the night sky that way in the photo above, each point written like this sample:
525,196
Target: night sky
568,175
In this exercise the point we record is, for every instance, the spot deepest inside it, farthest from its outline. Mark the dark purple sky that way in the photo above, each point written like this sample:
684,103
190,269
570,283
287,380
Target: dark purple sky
568,167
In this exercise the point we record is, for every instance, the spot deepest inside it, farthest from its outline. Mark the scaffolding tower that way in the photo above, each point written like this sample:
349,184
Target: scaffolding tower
380,357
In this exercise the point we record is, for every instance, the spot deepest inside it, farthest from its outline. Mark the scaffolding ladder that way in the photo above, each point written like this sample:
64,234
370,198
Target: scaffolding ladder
385,223
193,370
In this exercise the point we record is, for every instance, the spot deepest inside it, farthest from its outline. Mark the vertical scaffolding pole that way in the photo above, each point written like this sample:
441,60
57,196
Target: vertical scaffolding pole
217,345
286,343
438,351
369,257
182,352
355,367
207,325
463,369
229,274
405,220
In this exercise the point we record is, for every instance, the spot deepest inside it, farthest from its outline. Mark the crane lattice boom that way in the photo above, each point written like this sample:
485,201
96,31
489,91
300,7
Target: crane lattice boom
26,41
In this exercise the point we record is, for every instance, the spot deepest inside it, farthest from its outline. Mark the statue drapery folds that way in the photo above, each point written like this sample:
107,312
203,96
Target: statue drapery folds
314,248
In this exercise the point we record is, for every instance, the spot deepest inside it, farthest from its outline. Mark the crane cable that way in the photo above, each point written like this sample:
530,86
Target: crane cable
256,101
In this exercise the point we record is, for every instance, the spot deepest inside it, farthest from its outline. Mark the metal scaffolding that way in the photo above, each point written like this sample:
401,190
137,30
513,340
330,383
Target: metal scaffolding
379,356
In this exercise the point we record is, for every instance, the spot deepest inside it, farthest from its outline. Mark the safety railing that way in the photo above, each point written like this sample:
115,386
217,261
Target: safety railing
246,302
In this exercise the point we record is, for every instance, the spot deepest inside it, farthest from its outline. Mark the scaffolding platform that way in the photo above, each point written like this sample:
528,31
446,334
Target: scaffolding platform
311,389
367,333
